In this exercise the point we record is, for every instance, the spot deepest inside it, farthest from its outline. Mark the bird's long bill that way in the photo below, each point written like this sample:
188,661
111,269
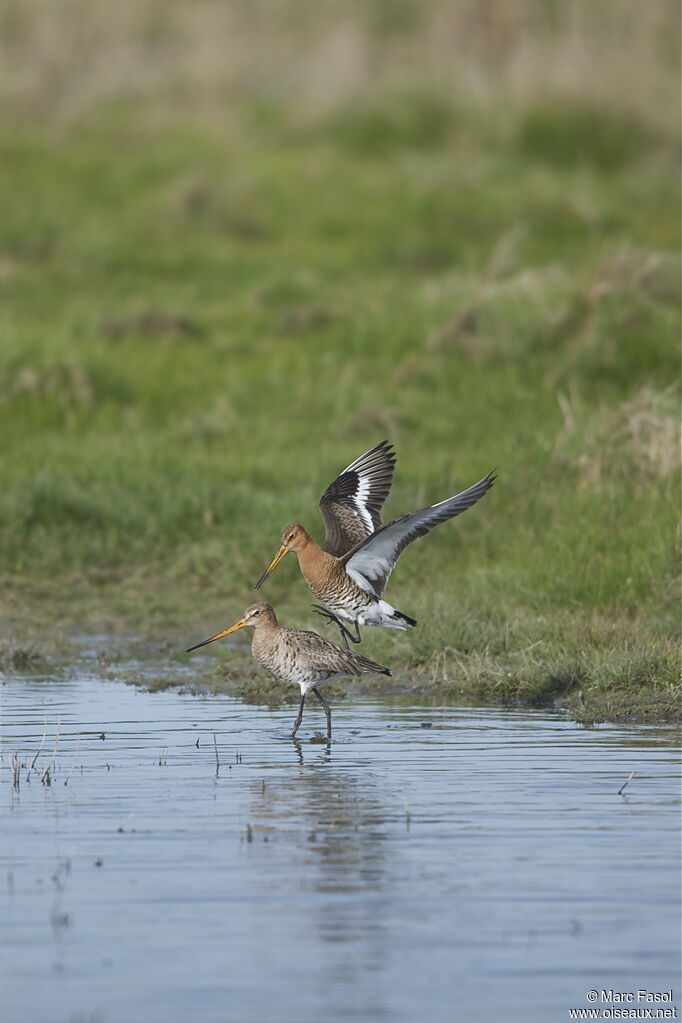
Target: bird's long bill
241,624
273,565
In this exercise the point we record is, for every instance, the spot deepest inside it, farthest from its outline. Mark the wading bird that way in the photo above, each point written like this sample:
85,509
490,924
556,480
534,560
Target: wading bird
294,655
350,585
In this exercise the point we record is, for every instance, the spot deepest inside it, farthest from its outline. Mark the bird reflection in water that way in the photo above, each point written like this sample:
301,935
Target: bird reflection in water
328,828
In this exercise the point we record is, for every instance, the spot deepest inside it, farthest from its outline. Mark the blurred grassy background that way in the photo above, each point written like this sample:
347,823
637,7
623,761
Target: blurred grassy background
243,242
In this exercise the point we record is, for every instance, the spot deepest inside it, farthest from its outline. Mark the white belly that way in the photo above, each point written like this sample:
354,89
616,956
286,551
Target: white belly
382,615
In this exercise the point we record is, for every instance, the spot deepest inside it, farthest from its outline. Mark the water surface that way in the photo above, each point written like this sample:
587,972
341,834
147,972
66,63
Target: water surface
482,868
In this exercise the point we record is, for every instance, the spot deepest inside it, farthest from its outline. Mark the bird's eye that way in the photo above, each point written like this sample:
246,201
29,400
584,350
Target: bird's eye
256,612
291,536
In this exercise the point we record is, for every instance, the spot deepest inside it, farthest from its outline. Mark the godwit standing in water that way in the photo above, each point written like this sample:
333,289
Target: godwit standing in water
350,585
294,655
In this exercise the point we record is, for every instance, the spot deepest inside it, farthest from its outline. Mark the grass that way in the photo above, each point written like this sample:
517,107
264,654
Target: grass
204,319
14,657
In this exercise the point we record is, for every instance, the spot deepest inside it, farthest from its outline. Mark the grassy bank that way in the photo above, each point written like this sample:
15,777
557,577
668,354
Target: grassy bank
204,319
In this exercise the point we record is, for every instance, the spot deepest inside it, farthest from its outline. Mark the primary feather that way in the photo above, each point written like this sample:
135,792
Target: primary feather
371,561
351,505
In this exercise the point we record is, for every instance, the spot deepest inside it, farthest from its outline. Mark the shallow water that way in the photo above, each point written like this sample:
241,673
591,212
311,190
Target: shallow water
483,868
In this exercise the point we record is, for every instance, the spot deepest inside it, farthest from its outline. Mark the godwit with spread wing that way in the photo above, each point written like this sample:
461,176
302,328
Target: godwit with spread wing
350,585
351,508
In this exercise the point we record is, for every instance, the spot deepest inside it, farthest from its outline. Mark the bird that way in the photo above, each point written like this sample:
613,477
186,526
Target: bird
350,585
351,507
298,656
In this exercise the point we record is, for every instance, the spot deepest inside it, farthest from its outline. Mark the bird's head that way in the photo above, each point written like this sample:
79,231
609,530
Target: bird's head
255,615
294,538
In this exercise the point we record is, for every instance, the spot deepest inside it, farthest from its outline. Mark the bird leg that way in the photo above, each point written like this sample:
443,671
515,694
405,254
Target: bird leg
327,710
357,638
299,718
346,634
321,610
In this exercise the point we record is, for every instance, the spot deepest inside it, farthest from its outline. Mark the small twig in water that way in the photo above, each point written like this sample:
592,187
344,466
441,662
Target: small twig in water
75,758
15,767
40,749
121,829
49,770
625,784
408,815
217,758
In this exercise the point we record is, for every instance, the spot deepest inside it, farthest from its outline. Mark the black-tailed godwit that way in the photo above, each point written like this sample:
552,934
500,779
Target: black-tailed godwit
350,585
294,655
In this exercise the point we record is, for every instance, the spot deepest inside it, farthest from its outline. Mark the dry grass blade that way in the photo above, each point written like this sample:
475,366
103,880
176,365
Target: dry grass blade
75,758
48,773
40,748
15,767
625,784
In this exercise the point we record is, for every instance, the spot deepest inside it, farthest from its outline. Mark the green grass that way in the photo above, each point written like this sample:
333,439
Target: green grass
201,323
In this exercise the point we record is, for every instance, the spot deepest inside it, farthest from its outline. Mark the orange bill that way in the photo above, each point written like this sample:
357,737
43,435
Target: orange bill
241,624
273,565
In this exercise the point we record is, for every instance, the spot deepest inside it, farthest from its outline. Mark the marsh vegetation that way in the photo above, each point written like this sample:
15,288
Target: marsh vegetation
222,279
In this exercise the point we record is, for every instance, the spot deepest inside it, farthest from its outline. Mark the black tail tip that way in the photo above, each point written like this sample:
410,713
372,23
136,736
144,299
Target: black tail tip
386,671
400,617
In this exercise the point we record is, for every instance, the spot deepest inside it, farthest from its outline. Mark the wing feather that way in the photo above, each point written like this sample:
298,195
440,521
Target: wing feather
371,561
320,654
351,505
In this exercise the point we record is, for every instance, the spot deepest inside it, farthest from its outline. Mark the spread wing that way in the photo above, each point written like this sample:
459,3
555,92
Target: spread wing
371,562
351,505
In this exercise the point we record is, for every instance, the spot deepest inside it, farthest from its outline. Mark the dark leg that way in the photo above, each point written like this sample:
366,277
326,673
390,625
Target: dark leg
327,710
346,634
357,638
299,751
299,718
